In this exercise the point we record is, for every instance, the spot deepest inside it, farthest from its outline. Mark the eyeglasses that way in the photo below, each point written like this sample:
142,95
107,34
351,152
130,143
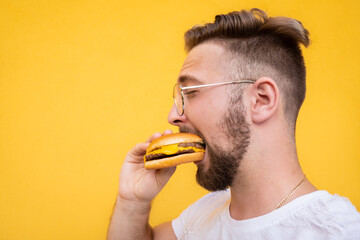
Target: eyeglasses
178,94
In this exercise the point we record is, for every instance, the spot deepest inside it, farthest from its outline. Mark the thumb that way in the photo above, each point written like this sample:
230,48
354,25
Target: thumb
163,175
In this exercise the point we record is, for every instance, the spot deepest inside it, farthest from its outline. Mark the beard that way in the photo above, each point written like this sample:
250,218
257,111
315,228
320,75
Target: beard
224,163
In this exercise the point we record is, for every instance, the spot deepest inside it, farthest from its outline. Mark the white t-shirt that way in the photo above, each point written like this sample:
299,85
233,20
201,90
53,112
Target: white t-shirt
318,215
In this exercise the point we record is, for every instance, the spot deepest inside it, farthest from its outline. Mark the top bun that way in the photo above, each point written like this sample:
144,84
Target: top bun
173,139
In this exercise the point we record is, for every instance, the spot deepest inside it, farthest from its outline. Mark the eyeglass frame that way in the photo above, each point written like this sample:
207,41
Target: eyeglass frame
201,86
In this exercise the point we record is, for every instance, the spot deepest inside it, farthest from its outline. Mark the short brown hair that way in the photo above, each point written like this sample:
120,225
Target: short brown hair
259,46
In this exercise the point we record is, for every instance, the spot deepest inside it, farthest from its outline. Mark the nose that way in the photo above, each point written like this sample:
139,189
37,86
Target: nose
174,118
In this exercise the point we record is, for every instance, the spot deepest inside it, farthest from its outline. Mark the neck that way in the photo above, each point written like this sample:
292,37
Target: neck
265,178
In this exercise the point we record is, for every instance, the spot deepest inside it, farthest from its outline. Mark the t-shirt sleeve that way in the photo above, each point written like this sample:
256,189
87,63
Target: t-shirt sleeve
178,224
195,212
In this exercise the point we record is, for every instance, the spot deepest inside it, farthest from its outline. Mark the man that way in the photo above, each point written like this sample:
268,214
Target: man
248,125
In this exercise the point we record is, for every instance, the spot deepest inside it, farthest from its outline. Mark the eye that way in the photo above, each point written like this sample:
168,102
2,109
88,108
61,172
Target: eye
190,92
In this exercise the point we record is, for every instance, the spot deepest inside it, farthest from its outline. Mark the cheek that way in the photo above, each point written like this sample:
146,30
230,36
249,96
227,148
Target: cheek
205,105
205,113
209,101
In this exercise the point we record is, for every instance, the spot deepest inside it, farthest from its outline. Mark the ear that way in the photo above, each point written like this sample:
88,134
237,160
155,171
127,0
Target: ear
264,97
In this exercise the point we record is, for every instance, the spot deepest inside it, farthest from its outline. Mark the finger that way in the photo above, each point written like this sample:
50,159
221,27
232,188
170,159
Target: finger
167,131
152,137
139,149
163,175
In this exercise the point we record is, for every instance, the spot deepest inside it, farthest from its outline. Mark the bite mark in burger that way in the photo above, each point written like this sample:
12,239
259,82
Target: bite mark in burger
174,149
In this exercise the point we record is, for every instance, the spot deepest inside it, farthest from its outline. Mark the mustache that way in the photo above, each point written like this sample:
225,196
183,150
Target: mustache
186,129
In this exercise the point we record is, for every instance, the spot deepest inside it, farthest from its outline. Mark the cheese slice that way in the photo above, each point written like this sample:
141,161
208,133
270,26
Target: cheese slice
173,149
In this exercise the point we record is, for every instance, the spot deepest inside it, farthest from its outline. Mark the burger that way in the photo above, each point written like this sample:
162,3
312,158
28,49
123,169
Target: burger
174,149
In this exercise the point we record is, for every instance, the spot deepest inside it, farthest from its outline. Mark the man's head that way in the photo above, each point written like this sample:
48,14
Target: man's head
259,46
239,46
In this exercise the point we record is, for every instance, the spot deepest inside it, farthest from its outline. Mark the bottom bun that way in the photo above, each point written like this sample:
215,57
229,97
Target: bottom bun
173,161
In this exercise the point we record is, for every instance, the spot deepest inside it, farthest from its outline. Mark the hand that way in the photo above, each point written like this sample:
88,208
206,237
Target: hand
138,184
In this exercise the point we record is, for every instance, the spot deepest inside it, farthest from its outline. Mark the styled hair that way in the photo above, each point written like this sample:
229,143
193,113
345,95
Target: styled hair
260,46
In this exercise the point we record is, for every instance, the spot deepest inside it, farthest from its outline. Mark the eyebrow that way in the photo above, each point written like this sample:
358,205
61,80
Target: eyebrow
183,79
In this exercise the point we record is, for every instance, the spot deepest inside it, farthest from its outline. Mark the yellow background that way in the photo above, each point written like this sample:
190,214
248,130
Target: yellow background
81,82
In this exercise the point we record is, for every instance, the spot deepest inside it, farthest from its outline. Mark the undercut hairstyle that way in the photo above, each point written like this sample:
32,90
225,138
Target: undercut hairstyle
259,46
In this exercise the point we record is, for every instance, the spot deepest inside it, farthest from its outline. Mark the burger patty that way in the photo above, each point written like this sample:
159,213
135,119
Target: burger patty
156,156
192,144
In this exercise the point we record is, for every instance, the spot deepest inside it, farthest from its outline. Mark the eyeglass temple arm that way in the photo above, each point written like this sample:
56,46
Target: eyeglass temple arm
216,84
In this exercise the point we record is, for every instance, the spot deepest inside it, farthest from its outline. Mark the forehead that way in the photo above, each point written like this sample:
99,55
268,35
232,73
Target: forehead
202,65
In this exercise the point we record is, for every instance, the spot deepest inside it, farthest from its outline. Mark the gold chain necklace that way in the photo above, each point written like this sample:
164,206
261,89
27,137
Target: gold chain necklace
291,193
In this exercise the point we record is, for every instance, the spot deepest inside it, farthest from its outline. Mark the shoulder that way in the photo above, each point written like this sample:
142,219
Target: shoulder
337,206
343,211
332,215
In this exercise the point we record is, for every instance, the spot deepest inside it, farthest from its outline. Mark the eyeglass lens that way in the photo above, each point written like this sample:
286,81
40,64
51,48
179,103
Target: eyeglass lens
178,99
